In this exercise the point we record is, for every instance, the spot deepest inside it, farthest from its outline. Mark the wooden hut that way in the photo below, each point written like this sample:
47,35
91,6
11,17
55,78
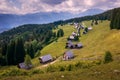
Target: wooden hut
79,45
45,58
69,44
68,55
24,66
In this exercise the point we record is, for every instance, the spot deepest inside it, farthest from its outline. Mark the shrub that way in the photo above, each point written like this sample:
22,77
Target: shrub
86,29
107,57
76,38
70,67
28,60
51,69
36,71
62,68
78,64
98,62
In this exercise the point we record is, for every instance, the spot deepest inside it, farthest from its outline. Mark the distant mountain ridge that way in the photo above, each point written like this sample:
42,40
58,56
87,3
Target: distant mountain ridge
91,12
8,21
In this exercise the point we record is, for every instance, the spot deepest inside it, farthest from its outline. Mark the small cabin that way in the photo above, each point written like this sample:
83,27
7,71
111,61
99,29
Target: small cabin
79,45
24,66
69,44
90,28
68,55
82,27
76,25
74,33
72,37
45,58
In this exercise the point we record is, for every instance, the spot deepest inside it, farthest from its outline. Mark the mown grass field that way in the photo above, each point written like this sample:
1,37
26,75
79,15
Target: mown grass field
95,42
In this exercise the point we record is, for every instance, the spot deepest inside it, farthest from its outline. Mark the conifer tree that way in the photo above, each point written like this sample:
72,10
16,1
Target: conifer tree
4,49
107,57
27,60
19,51
115,19
10,53
31,52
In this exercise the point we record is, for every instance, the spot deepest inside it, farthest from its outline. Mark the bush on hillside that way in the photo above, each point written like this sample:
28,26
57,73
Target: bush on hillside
62,68
86,29
70,67
107,57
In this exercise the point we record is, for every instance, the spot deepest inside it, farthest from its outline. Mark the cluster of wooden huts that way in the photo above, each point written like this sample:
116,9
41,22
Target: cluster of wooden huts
71,45
67,55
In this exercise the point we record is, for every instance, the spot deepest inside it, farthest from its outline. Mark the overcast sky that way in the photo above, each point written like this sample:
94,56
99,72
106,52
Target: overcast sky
73,6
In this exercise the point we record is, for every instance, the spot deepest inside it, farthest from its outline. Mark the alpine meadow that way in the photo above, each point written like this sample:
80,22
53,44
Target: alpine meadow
83,47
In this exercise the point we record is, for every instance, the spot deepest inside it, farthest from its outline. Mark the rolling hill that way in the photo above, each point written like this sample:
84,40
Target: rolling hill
95,42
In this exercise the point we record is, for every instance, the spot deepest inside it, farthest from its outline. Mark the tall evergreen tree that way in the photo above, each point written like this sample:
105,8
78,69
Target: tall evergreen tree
27,60
60,33
96,22
10,53
31,51
19,51
54,34
4,49
115,19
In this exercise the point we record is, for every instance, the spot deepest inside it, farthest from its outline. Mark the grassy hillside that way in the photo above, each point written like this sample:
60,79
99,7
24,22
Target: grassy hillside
95,42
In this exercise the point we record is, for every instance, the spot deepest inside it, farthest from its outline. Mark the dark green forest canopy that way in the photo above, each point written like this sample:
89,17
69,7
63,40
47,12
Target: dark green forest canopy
115,19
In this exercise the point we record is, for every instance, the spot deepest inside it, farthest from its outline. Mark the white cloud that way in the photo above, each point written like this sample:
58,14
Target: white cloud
73,6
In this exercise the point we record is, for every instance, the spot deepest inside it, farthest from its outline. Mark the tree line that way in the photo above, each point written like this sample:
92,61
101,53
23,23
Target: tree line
115,19
14,52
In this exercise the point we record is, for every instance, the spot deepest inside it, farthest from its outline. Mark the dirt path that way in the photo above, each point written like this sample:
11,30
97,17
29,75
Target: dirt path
45,65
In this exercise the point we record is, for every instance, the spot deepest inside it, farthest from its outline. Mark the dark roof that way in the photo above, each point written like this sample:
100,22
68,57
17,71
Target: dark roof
69,54
79,45
69,42
46,58
24,66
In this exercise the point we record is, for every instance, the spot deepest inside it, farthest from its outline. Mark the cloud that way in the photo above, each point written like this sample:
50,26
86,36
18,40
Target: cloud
53,2
72,6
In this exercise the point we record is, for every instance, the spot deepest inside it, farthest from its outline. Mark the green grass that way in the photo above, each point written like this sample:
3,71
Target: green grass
96,43
101,72
58,47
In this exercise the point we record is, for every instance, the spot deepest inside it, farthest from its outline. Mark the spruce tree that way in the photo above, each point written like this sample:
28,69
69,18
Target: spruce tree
4,49
31,52
96,22
10,53
19,51
108,57
54,34
27,60
62,32
115,19
58,33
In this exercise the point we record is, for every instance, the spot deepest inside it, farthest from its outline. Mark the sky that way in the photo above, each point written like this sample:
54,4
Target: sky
22,7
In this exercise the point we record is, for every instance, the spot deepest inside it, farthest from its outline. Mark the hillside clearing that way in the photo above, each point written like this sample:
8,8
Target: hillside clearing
95,43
